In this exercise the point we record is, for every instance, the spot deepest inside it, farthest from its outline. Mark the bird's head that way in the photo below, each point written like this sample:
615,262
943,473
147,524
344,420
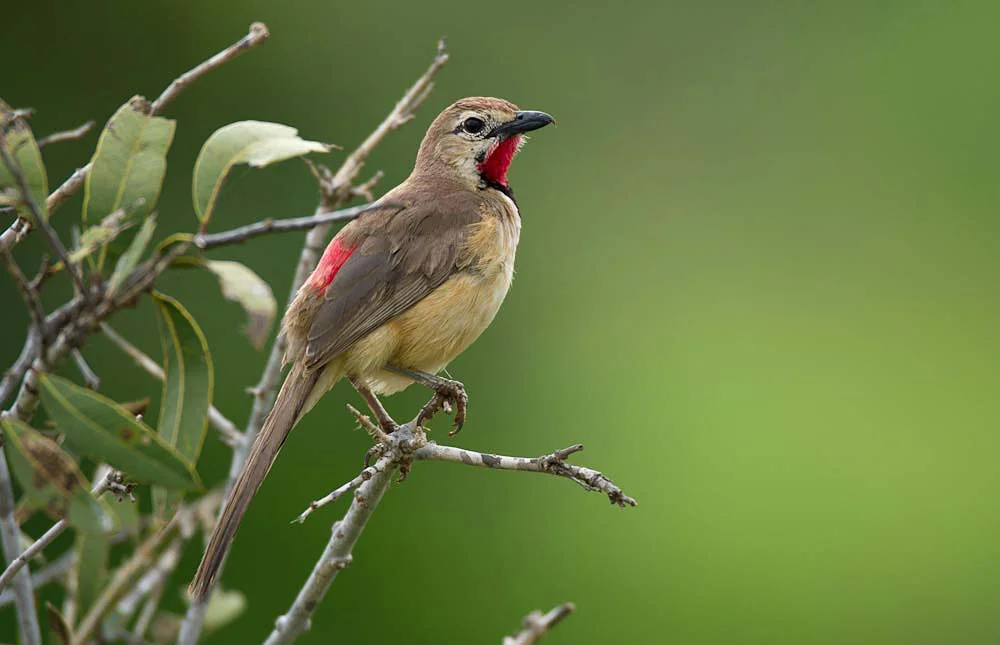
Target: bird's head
475,139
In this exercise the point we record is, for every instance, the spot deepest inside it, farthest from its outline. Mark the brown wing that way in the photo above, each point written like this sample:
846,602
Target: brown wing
402,256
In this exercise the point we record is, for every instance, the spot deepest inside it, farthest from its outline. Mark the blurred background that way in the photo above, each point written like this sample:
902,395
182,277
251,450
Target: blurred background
757,279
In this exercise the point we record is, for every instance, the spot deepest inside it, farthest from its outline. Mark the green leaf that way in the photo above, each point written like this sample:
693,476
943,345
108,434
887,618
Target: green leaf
93,550
129,162
20,144
129,260
256,143
242,285
188,380
97,427
51,479
187,388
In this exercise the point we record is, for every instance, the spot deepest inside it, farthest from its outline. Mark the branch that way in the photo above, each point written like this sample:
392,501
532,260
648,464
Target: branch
67,135
337,554
90,377
536,625
54,531
553,464
230,434
250,231
28,293
36,213
54,571
335,191
24,597
257,35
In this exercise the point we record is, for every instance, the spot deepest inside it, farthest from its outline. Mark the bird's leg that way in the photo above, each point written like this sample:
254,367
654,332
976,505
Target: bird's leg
446,391
384,420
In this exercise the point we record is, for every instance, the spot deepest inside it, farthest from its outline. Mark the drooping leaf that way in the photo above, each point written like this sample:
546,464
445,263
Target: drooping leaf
188,381
21,146
242,285
92,551
256,143
187,388
97,427
129,162
52,479
129,260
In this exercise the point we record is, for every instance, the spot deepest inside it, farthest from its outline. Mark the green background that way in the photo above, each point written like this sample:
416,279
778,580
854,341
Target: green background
757,279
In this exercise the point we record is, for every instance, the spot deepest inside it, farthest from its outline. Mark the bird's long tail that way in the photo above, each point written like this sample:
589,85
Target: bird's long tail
286,411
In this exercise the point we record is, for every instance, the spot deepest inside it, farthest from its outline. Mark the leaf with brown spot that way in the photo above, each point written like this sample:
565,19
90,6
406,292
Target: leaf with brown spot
101,429
51,479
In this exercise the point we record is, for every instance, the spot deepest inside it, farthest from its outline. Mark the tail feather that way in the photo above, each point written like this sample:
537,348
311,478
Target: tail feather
286,412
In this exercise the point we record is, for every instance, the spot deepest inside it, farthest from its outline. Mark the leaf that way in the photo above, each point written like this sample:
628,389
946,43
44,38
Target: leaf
20,144
223,608
58,625
188,380
129,163
97,236
242,285
92,549
256,143
130,258
187,387
51,479
99,428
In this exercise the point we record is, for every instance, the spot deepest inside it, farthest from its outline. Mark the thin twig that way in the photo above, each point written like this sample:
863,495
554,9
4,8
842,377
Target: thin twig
536,624
58,569
46,539
336,494
28,293
258,34
250,231
90,377
66,135
36,213
334,193
228,431
24,597
553,464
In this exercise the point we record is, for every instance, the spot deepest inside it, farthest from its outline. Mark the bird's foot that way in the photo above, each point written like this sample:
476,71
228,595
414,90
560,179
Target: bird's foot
447,394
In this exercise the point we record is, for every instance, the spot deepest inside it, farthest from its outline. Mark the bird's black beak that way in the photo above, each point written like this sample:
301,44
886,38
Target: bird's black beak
523,121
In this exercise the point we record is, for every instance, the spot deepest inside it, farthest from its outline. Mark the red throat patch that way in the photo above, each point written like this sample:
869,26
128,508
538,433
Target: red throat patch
333,258
494,169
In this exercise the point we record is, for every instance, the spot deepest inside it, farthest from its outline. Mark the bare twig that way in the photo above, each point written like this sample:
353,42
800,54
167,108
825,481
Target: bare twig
553,464
257,35
536,624
24,597
228,431
90,377
336,494
36,213
54,571
28,293
47,538
250,231
66,135
16,371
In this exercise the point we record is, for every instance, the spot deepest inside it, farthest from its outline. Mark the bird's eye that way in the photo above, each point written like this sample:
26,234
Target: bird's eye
473,125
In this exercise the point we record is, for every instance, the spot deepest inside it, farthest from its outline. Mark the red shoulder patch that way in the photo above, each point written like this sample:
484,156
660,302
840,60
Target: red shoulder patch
333,258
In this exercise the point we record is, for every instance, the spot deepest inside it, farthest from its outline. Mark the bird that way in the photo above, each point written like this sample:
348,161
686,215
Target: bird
400,291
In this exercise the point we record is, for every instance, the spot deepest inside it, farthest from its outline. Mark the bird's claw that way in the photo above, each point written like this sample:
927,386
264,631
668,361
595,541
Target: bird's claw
447,393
